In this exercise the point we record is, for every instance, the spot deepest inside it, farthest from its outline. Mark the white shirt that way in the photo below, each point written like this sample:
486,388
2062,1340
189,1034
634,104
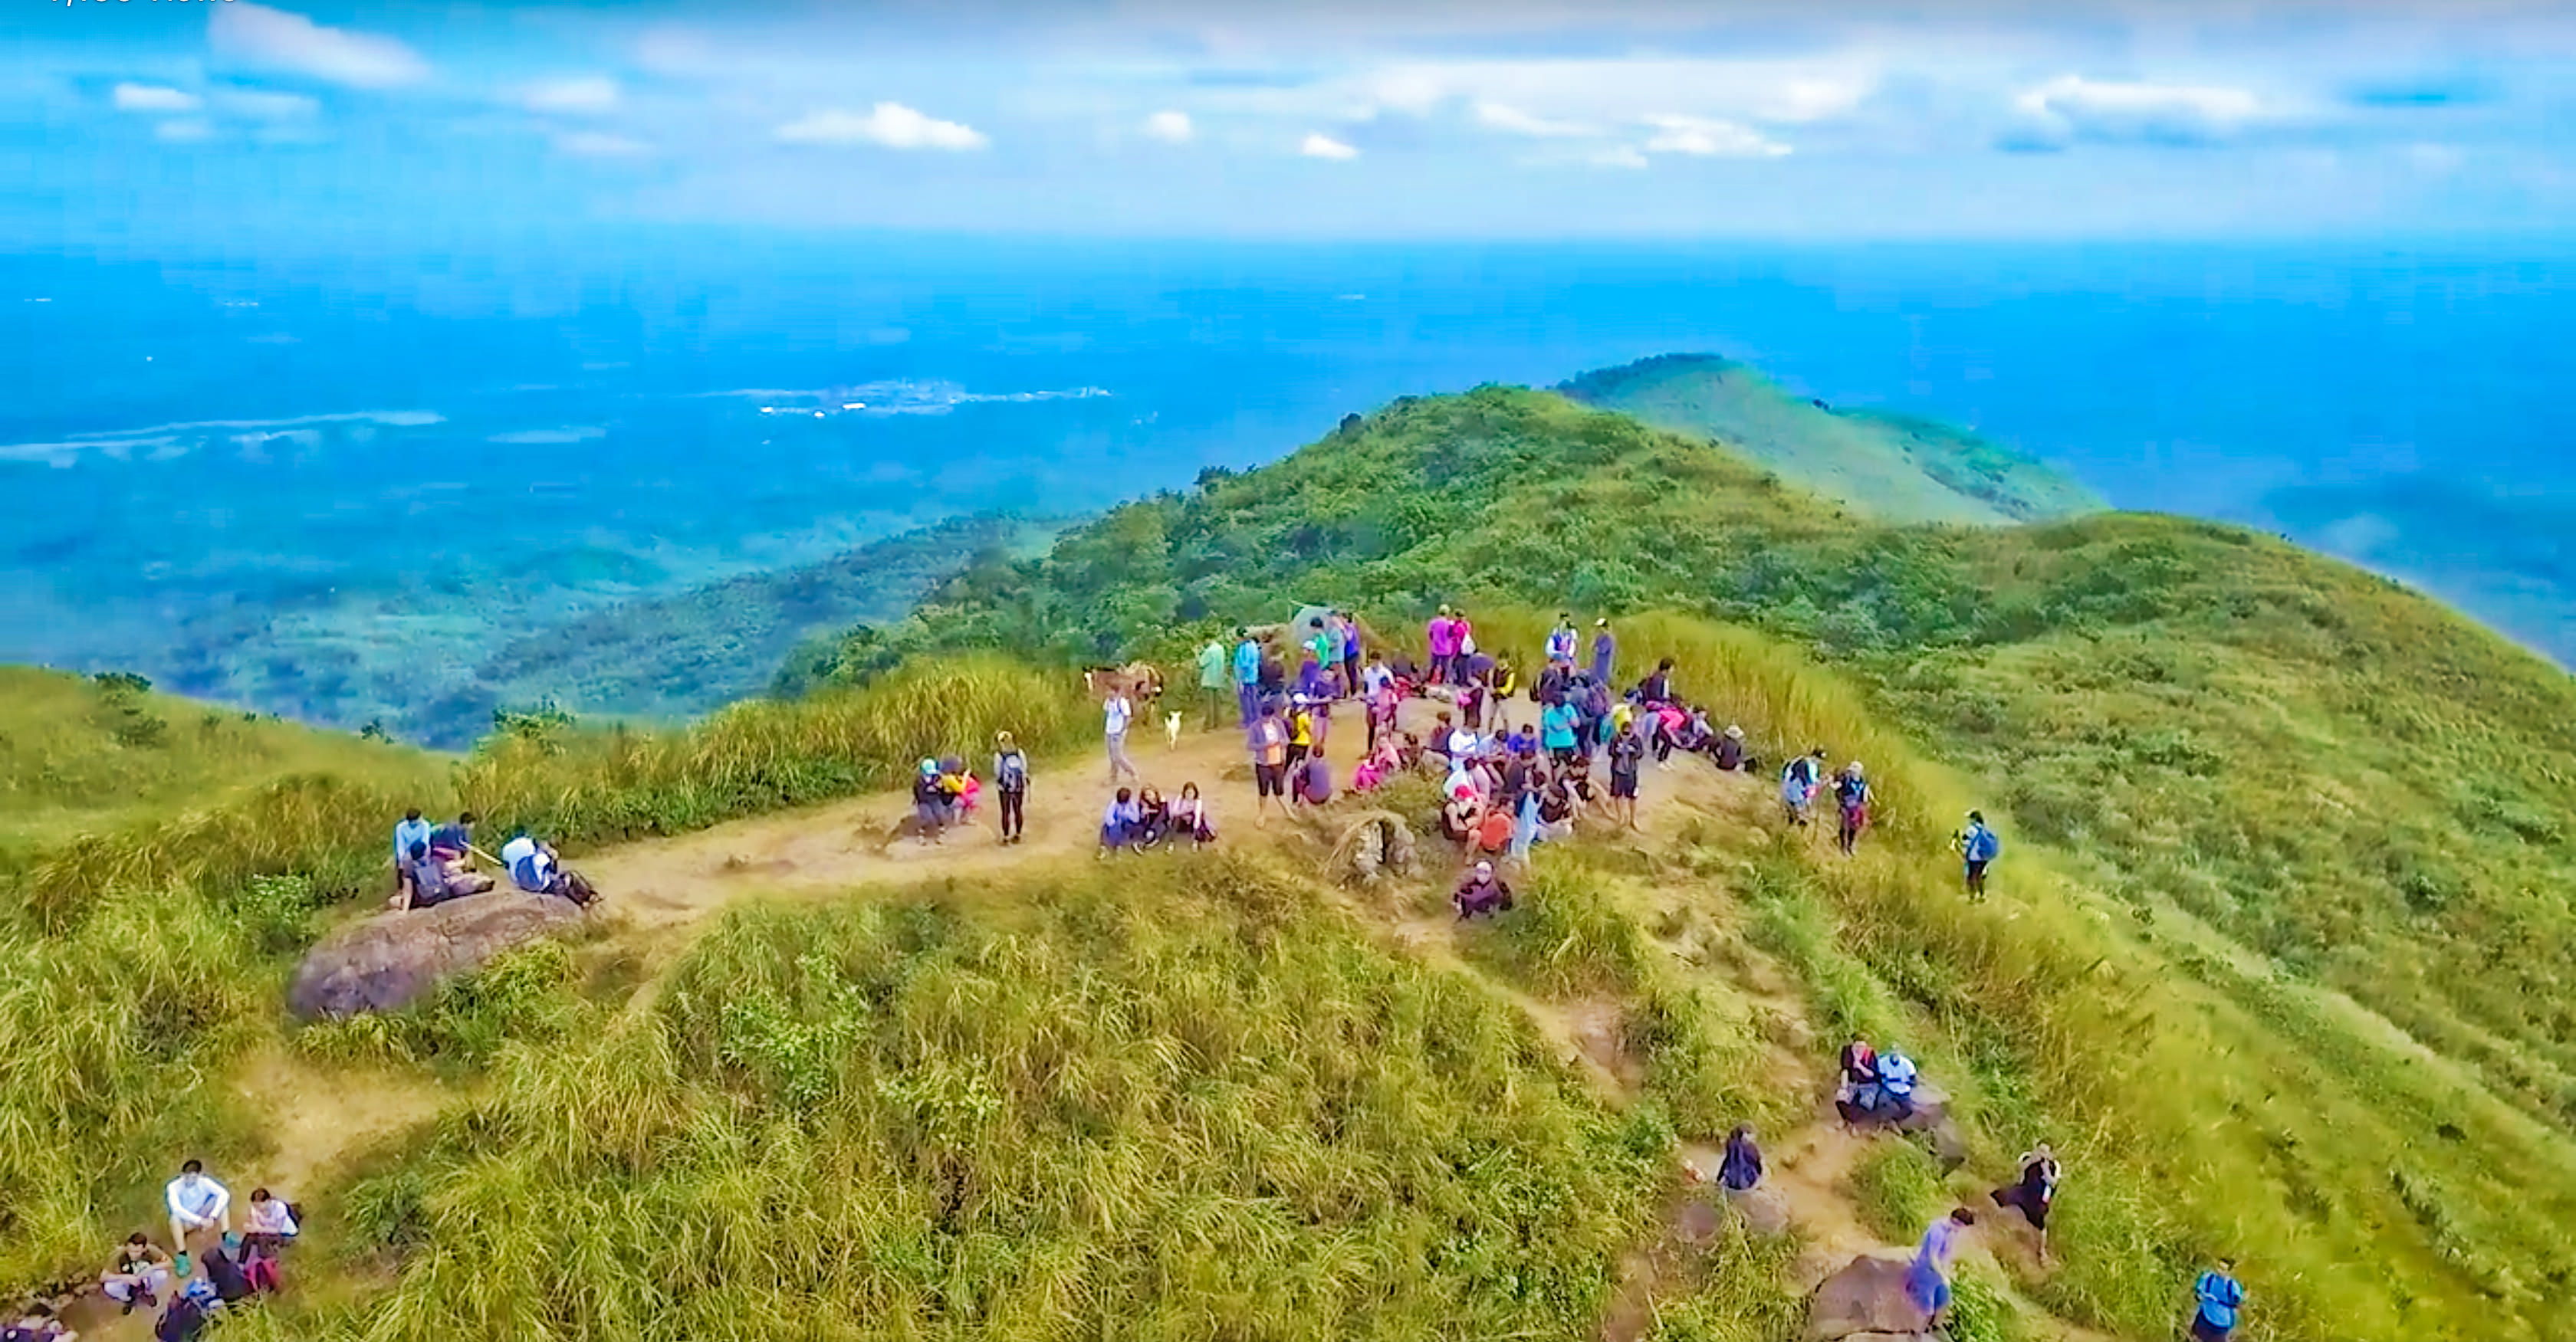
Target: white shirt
1374,675
1462,743
1118,713
270,1218
517,849
198,1200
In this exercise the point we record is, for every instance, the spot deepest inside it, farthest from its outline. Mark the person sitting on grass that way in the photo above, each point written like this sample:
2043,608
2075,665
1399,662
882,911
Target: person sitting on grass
1482,892
196,1203
1741,1168
137,1275
1312,782
268,1226
1555,813
1459,816
1730,752
1120,822
38,1324
1578,781
1153,817
1190,816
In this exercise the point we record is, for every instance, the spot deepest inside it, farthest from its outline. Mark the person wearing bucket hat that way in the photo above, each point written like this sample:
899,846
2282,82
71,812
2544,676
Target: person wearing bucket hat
1605,650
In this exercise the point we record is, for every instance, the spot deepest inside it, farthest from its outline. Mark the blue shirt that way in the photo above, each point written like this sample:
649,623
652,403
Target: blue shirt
1247,663
2219,1298
407,833
1556,727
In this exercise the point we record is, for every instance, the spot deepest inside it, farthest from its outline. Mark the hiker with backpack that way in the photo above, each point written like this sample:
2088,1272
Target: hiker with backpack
1798,784
1247,674
535,868
1851,798
1114,717
2036,1192
1978,848
1927,1279
929,805
2218,1298
1216,675
1011,780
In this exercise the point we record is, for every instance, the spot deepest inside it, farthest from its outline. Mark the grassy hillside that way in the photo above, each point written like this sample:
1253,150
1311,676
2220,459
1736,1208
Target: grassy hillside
1894,467
2329,817
81,754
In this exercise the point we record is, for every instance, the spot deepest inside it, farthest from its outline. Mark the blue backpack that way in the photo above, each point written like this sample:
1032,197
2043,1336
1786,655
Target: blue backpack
1983,846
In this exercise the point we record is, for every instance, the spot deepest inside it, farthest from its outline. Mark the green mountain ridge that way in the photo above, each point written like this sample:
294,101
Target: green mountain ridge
1890,466
2276,958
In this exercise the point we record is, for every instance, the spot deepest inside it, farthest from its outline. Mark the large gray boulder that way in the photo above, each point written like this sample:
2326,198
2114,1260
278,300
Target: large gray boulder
1930,1118
1866,1302
389,960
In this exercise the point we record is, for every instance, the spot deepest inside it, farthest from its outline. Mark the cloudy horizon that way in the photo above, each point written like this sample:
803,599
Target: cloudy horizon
1337,120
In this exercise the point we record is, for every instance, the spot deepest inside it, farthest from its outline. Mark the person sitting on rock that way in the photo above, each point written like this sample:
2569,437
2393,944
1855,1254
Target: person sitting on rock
38,1324
532,865
454,844
1482,892
1741,1168
1459,816
2036,1191
137,1275
1896,1078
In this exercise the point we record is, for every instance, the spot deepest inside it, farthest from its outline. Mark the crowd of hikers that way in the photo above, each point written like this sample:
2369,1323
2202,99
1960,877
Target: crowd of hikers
436,864
215,1260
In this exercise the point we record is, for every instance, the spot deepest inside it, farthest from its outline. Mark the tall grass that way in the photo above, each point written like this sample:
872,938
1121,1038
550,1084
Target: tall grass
1176,1103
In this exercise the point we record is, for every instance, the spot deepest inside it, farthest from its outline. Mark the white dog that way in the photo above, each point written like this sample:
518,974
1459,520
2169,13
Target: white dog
1172,729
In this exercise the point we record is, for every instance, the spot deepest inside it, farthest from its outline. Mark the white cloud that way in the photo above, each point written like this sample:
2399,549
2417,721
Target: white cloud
1171,127
2071,107
263,105
577,95
1506,118
1610,89
152,98
1619,156
188,131
274,39
1325,146
892,125
600,144
1702,137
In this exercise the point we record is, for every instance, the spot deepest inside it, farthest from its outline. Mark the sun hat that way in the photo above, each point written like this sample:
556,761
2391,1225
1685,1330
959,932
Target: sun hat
1736,733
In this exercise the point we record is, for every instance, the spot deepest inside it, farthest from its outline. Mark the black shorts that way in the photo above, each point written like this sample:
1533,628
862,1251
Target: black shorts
1977,867
1623,786
1271,780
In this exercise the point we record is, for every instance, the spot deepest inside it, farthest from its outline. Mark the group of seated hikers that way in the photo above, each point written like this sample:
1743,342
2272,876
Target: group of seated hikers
1875,1087
945,794
1139,819
211,1263
433,865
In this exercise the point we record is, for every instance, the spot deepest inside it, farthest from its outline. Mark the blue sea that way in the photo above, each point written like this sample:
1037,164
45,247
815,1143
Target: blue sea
549,431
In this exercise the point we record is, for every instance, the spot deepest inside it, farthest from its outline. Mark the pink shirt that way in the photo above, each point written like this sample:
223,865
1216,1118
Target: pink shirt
1443,633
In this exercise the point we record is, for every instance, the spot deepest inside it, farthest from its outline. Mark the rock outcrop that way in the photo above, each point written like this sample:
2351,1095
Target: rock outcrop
1866,1302
389,960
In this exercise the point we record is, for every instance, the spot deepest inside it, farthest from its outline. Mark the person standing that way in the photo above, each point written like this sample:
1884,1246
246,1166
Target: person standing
1462,645
411,830
1927,1278
1247,674
1442,639
1605,649
1011,780
1851,796
1115,715
2036,1192
1627,761
1268,739
2219,1297
1215,677
1560,643
1350,631
1978,848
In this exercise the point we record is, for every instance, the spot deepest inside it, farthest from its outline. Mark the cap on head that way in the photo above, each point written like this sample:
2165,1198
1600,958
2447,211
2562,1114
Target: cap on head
1002,738
1600,624
929,767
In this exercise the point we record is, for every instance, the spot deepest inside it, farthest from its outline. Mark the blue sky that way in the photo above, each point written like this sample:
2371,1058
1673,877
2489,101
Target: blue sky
157,124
